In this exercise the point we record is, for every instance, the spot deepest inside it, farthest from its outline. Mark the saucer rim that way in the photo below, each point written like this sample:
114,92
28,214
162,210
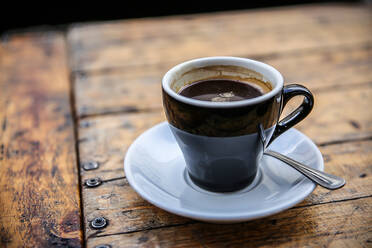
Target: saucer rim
217,217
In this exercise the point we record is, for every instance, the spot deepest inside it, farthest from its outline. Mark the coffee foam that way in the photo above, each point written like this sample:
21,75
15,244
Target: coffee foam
237,73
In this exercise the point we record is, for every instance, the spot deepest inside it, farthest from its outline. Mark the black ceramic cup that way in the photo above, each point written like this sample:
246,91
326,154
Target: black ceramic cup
223,142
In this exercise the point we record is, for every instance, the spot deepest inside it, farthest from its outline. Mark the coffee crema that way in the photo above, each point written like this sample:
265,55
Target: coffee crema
224,89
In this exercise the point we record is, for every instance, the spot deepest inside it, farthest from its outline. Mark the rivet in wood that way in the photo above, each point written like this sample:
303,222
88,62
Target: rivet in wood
103,246
81,74
92,165
93,182
85,124
98,223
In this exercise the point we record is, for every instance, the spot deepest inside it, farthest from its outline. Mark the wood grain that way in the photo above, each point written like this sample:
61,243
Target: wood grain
138,88
105,140
39,188
128,212
338,224
241,33
340,114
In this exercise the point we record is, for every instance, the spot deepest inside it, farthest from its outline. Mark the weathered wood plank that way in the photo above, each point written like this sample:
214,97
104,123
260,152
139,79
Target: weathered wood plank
175,39
39,192
127,211
339,114
139,87
106,139
340,224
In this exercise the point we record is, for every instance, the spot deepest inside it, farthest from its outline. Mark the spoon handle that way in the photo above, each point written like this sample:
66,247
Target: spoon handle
319,177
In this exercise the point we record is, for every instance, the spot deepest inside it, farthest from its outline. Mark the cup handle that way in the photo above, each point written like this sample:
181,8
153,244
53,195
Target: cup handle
290,91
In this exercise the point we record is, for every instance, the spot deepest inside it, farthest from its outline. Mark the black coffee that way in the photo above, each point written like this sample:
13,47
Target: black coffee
222,90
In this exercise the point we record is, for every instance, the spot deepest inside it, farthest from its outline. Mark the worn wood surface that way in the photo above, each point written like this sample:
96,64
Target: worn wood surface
338,224
117,69
246,33
39,187
133,88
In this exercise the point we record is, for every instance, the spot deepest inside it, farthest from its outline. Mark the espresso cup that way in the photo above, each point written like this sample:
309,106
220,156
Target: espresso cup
223,142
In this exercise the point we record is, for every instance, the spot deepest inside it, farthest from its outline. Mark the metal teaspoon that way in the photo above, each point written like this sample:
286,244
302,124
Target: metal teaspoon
321,178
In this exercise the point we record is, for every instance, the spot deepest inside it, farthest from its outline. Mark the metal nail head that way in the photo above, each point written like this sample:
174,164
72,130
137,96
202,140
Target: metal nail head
103,246
85,124
93,182
98,223
92,165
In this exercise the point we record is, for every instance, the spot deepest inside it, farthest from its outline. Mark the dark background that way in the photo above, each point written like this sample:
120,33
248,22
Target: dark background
18,15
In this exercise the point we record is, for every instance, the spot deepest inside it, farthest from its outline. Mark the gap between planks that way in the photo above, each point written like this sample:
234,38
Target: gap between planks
119,112
346,140
153,110
260,57
75,120
96,234
119,91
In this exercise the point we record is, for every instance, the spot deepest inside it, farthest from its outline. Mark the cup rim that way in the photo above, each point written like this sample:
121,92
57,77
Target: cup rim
223,60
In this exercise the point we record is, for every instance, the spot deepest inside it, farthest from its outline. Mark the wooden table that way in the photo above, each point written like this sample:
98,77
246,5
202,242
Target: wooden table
71,103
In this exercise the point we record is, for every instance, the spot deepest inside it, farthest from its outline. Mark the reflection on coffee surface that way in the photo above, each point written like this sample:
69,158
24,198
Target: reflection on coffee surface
224,89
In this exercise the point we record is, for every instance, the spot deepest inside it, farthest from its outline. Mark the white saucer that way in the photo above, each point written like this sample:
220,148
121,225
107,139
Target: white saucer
155,168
